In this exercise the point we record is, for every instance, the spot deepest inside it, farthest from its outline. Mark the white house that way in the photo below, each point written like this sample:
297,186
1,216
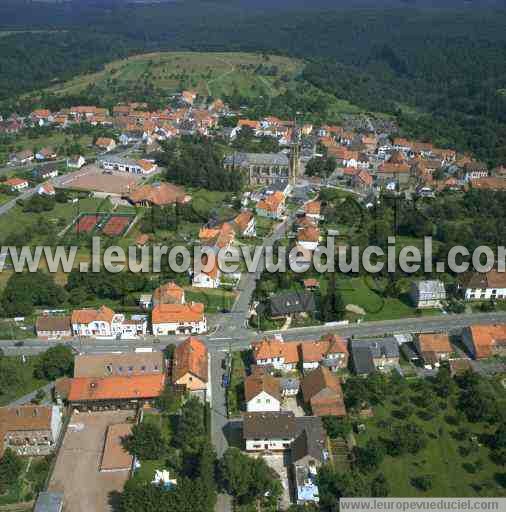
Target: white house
262,393
308,238
276,353
140,167
272,207
16,184
105,323
428,294
269,431
76,162
208,278
46,189
245,224
178,319
105,144
485,286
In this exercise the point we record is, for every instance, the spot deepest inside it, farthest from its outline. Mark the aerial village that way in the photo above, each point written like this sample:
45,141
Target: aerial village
277,370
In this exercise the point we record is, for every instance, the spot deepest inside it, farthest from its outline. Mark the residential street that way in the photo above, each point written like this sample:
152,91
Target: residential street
219,419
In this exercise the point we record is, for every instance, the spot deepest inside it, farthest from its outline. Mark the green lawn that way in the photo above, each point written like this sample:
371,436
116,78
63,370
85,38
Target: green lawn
24,382
214,299
148,467
235,391
30,483
441,459
61,215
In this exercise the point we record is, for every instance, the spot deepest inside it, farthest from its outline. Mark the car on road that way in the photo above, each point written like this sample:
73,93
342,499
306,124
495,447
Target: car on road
225,380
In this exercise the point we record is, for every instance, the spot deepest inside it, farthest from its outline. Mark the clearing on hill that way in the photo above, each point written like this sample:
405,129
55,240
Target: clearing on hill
210,74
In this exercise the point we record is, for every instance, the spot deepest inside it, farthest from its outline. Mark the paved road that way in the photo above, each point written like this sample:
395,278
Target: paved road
219,420
243,338
234,324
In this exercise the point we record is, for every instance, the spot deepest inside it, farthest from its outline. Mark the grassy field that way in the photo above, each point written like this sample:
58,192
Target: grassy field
441,458
31,481
61,215
56,139
214,300
25,381
235,391
213,74
148,467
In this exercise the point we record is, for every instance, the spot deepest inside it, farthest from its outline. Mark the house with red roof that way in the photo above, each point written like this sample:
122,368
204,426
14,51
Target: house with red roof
277,353
104,323
484,341
129,392
16,184
272,206
331,351
245,224
168,293
190,366
322,391
178,319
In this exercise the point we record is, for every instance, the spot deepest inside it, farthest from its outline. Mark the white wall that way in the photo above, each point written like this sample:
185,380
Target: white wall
268,444
263,402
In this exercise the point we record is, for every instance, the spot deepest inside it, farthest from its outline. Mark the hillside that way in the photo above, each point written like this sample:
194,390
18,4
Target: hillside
210,74
269,84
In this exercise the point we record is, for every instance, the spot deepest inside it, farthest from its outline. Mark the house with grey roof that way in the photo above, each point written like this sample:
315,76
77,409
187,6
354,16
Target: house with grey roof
260,168
427,294
374,354
308,454
291,303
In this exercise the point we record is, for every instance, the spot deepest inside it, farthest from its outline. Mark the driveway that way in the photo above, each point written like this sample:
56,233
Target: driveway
280,464
290,404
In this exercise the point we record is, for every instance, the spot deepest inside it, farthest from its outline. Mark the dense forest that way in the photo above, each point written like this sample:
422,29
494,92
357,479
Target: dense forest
442,71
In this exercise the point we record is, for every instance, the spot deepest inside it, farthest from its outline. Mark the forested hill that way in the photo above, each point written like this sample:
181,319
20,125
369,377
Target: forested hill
441,70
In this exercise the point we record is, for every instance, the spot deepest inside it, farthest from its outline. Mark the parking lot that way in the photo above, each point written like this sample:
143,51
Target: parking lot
77,472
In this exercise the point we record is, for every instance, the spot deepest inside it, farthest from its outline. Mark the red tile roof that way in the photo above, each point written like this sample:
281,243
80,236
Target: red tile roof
272,202
191,357
255,384
268,349
86,316
172,313
116,388
485,337
168,293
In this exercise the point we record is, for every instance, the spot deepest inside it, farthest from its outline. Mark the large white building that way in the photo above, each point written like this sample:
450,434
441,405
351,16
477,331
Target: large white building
105,323
178,319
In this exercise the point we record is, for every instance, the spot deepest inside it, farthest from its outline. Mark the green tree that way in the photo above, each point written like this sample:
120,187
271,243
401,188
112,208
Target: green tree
145,442
11,466
55,362
370,456
191,428
380,487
